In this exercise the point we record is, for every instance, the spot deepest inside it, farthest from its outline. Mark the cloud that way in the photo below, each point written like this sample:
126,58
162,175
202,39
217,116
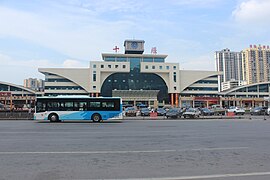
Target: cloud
78,37
14,71
253,12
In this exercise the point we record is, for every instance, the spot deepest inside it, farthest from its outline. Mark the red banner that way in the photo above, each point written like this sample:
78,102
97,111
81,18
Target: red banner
5,94
206,99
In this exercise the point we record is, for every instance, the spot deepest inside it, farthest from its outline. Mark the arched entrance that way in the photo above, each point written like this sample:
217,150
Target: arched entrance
135,81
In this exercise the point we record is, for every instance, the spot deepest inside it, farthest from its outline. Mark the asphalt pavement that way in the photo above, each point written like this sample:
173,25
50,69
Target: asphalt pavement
221,149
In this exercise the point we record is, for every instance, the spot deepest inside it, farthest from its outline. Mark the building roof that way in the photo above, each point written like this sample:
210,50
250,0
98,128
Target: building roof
240,87
18,86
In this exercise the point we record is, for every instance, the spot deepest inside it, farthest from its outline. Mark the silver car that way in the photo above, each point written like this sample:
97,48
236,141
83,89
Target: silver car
192,113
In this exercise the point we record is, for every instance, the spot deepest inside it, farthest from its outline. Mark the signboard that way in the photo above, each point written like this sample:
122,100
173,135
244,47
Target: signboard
206,99
5,94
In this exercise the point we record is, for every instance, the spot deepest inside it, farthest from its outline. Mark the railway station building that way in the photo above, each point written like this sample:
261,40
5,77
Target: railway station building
137,77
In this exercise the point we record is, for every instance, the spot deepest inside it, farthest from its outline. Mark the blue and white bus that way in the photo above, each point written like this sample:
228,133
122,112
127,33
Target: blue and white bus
62,108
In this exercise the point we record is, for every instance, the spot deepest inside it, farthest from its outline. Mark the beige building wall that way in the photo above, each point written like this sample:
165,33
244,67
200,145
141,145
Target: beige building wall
189,77
103,69
77,76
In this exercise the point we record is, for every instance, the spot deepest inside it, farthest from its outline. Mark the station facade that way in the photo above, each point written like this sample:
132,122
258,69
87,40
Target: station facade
136,77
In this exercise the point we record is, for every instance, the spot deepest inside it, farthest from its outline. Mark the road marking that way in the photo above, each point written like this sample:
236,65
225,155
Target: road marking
203,176
124,152
91,132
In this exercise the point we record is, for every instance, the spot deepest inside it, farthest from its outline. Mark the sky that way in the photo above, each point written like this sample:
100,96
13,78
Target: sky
71,33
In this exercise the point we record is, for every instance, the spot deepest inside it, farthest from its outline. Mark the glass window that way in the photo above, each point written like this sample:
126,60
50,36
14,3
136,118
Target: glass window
94,66
252,89
102,66
80,106
160,67
158,59
94,77
263,88
108,104
174,76
94,104
109,66
153,67
121,59
174,67
109,59
69,106
146,67
94,87
135,63
41,107
124,66
147,59
116,66
167,67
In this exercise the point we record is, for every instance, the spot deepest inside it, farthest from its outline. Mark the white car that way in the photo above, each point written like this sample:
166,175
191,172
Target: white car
192,113
268,111
236,110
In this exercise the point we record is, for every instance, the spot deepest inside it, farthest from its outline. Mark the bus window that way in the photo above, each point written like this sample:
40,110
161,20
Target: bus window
41,106
61,106
52,106
69,106
80,106
108,104
94,105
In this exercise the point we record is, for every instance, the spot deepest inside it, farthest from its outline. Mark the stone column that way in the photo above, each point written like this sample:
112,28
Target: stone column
172,100
176,100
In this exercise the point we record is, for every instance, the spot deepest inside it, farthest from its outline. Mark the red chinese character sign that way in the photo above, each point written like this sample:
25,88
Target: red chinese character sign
154,50
116,49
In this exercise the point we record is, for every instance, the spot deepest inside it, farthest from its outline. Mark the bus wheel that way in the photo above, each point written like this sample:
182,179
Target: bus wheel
96,118
53,118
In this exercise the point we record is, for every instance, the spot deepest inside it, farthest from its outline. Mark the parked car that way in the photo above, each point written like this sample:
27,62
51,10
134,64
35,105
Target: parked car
130,111
174,113
236,110
192,113
206,112
145,112
161,111
218,110
268,111
258,110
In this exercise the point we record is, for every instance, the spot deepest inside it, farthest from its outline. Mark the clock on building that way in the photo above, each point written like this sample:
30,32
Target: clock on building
134,45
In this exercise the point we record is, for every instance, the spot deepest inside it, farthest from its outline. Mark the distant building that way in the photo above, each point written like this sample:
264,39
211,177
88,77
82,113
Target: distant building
12,95
34,84
230,63
232,84
256,62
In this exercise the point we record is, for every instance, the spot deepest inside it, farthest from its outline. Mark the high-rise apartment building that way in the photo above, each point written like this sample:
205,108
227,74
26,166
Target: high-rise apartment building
256,62
230,63
33,83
